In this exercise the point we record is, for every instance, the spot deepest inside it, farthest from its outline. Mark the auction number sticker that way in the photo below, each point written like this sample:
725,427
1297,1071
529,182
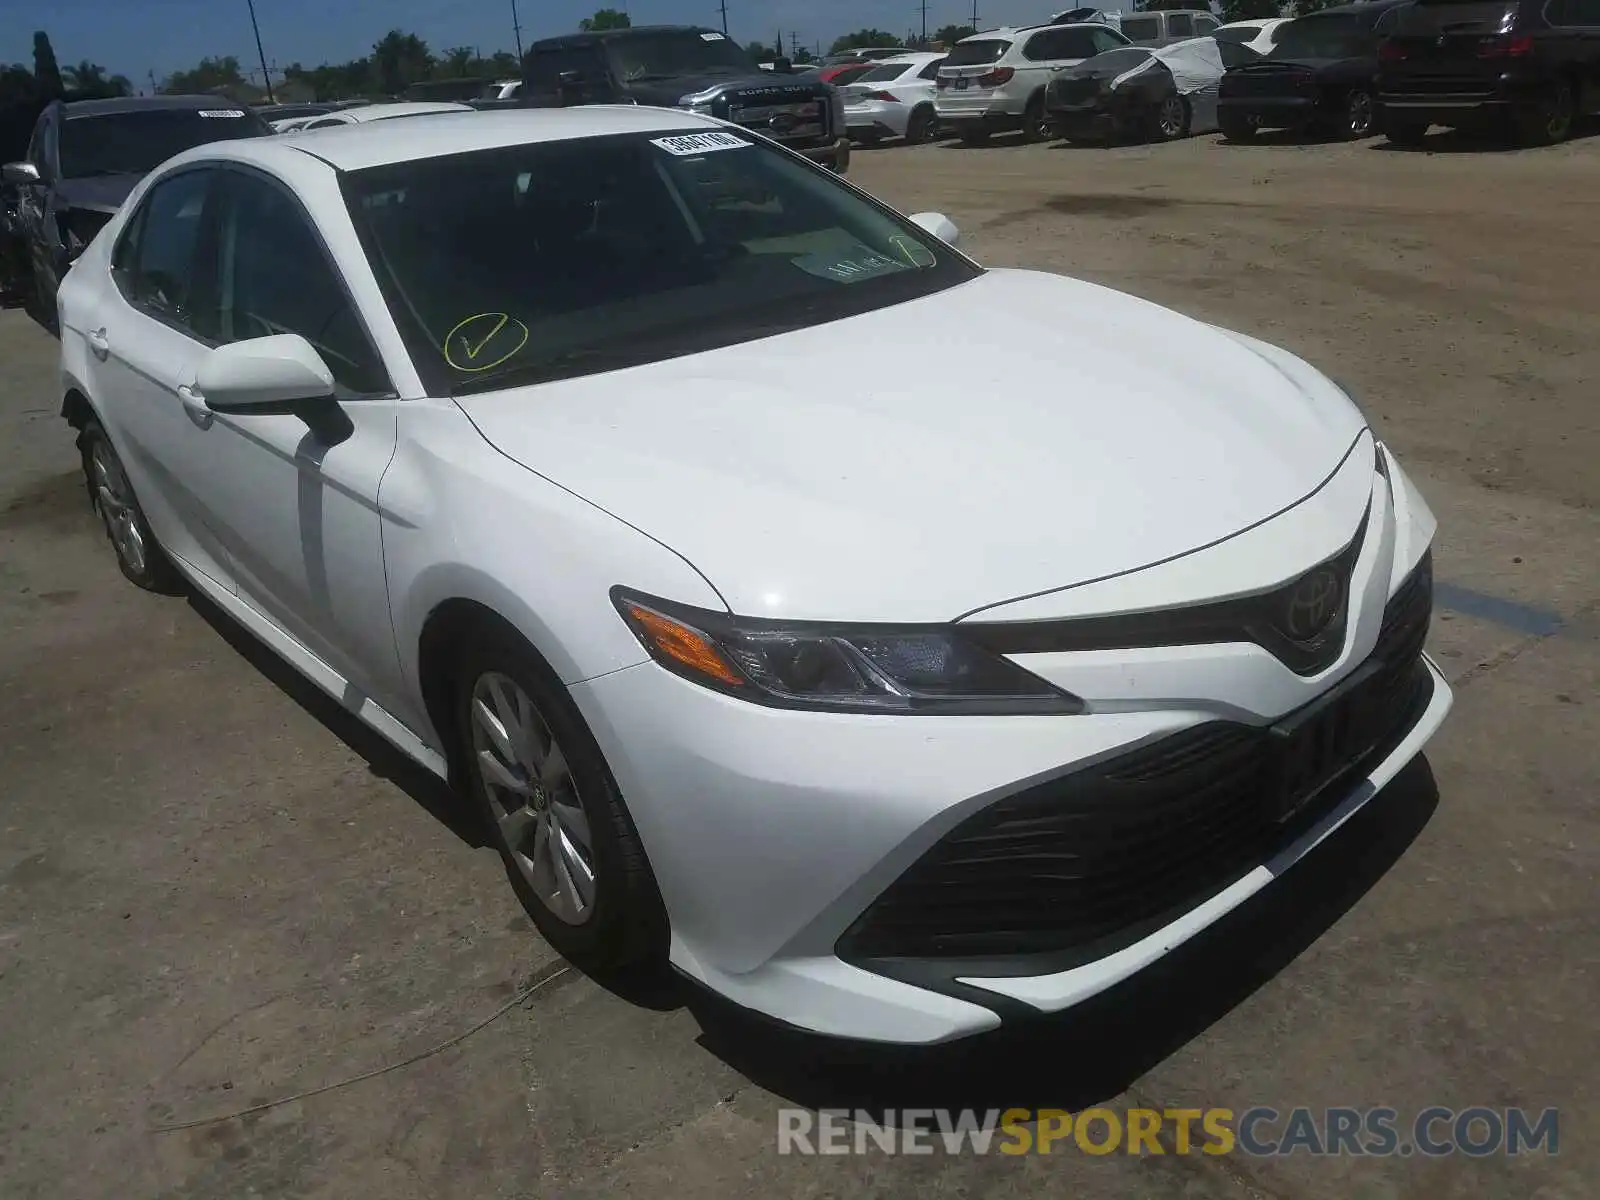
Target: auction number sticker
224,113
483,341
713,37
700,143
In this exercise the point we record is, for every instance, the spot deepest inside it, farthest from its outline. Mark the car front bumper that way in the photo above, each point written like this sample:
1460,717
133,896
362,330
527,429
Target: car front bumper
775,835
834,155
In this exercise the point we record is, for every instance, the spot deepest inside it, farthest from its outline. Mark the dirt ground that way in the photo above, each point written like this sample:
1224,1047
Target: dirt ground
215,892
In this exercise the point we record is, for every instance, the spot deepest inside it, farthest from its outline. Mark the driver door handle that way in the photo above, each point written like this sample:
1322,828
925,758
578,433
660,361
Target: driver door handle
99,343
195,404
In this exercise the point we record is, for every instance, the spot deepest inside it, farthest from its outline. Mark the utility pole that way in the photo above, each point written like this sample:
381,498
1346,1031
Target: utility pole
924,11
516,28
724,6
260,53
974,16
794,44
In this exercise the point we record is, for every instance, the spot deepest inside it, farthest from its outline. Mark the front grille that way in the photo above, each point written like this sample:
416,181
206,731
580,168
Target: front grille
798,120
1082,866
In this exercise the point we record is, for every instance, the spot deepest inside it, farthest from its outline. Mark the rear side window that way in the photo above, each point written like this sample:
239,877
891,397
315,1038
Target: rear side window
1139,29
883,73
1105,39
1204,25
546,65
931,70
1236,54
973,54
1077,43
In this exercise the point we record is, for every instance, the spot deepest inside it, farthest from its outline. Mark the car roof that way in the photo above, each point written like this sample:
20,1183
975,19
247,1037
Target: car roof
379,143
401,108
124,104
1017,31
914,56
1356,10
605,35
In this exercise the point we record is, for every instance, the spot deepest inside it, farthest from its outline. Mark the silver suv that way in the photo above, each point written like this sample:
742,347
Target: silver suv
993,82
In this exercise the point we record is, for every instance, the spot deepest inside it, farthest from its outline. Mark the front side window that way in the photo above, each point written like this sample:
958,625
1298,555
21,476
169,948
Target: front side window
1204,25
546,64
1180,25
1077,43
554,259
273,276
1141,29
1105,39
1236,54
154,263
883,73
139,140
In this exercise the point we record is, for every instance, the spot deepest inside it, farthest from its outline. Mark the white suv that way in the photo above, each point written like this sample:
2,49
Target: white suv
995,81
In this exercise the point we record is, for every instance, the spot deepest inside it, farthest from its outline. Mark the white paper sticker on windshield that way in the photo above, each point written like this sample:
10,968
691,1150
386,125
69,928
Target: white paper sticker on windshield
700,143
713,37
222,112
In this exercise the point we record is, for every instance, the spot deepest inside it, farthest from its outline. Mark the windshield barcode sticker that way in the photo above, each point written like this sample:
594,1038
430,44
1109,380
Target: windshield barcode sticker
222,112
700,143
712,37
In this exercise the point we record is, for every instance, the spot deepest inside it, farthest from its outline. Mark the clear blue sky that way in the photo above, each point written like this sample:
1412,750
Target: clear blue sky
135,37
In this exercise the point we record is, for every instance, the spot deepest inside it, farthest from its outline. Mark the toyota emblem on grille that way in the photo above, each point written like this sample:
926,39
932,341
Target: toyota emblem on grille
1312,604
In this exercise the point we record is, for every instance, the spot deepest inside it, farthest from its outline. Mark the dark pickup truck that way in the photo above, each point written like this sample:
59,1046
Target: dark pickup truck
84,159
688,67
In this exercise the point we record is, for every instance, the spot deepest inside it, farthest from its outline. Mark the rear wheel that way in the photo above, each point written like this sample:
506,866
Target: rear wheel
1405,131
922,125
139,555
1235,127
1550,121
1360,116
551,807
1036,127
1170,121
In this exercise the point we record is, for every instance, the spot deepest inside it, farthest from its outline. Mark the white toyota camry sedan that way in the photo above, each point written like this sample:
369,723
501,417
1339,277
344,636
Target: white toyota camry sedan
892,709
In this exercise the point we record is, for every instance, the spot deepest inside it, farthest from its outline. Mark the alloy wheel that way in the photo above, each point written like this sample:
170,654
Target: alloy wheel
114,499
533,798
1359,113
1169,120
1559,124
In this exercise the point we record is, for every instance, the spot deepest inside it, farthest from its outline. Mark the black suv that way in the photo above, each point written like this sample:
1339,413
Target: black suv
1320,73
87,155
685,66
1475,64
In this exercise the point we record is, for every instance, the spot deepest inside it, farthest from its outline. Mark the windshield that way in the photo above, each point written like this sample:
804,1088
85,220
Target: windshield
972,54
135,142
529,263
1339,36
667,55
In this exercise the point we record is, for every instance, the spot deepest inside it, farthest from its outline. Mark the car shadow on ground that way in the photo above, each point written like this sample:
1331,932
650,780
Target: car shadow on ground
382,759
1478,141
1097,1050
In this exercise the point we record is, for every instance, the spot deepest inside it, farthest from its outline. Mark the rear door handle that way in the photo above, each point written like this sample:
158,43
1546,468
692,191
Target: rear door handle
99,343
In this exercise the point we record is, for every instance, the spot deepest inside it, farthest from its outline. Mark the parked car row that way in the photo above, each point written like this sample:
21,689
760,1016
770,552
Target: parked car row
1392,66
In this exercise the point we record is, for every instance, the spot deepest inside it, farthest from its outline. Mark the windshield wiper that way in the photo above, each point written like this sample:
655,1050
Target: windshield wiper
100,172
554,366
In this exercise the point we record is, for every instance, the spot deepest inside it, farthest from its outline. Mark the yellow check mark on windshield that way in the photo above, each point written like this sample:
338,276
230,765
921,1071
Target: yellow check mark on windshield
472,351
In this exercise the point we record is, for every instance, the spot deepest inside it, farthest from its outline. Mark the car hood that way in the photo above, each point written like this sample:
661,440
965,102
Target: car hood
1012,435
102,193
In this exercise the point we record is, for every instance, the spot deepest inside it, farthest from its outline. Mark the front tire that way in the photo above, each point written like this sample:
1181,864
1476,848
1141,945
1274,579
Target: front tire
1549,122
1359,118
552,809
1036,127
139,555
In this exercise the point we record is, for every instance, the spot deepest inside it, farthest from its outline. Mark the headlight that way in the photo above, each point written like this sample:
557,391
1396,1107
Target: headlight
836,667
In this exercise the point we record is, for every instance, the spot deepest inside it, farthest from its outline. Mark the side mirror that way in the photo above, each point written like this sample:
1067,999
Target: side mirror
20,173
263,375
941,226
